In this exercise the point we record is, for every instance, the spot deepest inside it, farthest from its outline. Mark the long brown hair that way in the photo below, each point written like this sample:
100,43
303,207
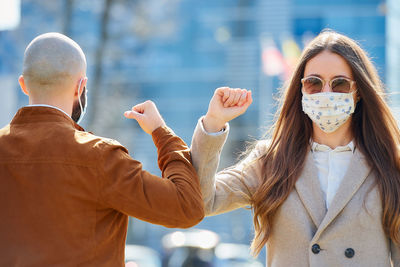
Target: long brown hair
374,128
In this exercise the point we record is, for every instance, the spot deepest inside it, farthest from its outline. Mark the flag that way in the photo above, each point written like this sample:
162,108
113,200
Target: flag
291,53
273,63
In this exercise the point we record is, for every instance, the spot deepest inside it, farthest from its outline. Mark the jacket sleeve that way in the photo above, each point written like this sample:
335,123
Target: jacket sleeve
172,201
228,189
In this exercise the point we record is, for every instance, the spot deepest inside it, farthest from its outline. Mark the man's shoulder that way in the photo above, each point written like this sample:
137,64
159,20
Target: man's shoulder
96,141
4,129
98,149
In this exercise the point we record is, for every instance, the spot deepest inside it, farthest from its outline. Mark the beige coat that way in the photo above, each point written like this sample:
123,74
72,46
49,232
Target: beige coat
352,225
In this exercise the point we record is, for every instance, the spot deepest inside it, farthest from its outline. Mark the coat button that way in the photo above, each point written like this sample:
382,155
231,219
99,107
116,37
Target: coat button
349,253
315,248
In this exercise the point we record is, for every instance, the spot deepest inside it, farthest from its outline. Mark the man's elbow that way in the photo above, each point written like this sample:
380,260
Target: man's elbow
191,217
194,218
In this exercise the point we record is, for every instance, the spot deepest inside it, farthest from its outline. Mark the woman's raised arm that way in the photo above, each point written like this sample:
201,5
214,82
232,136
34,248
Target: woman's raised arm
231,188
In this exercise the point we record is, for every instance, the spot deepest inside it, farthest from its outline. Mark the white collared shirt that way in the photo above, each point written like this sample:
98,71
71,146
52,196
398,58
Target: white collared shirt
49,106
332,165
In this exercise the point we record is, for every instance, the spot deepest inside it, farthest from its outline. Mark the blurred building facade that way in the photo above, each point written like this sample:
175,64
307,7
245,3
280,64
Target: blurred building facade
177,52
393,53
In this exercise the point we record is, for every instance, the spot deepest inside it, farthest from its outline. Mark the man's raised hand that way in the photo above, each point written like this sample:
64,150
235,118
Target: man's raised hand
147,115
225,105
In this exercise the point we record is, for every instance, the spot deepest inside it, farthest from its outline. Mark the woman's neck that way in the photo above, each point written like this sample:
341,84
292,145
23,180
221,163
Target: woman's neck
341,137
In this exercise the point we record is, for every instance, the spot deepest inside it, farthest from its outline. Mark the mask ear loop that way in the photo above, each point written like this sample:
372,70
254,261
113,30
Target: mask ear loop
83,110
355,91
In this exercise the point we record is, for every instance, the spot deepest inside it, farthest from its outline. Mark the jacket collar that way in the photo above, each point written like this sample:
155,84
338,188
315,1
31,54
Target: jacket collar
34,114
358,171
310,192
50,106
311,195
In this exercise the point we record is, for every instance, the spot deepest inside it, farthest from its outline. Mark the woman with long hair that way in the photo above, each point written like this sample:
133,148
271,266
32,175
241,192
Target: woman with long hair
324,188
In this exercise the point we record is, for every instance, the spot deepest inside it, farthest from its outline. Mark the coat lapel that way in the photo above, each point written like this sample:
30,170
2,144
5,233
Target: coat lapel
356,174
309,190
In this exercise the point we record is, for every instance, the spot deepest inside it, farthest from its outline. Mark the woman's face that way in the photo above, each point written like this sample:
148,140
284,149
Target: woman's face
327,66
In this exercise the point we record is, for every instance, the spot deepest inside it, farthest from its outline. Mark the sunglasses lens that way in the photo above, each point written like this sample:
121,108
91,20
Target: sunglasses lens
341,85
312,85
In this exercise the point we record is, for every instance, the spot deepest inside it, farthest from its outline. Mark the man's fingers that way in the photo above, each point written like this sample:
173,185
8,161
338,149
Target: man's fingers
135,112
132,114
139,108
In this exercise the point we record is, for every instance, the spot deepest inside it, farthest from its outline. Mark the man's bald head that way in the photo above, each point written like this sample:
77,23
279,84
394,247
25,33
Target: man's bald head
52,63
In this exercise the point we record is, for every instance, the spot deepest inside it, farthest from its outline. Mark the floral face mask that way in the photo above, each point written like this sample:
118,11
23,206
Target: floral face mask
328,110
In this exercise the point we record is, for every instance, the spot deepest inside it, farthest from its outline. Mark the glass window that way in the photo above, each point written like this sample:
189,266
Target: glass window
307,25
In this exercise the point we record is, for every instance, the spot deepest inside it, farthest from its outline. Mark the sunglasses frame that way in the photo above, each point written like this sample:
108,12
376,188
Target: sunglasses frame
329,82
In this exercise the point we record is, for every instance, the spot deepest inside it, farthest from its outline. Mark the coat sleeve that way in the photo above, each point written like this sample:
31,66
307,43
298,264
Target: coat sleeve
172,201
228,189
395,254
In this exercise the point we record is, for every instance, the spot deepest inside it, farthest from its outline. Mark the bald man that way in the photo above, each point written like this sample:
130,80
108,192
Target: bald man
66,194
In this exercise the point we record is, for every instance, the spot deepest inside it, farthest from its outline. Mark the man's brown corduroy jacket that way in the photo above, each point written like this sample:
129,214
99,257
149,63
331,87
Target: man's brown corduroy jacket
65,194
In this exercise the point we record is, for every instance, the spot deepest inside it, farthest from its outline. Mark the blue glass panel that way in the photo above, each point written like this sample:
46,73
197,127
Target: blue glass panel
307,25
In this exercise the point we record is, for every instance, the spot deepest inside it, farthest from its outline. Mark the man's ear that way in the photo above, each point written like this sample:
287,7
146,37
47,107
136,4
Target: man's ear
82,85
22,84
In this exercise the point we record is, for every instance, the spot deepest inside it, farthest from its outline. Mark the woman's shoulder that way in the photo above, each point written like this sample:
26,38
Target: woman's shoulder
261,146
255,151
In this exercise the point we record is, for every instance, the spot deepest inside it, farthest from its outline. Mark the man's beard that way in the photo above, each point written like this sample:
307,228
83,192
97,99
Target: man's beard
76,109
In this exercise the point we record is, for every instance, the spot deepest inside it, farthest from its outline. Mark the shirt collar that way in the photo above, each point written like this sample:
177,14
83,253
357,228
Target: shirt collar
320,147
49,106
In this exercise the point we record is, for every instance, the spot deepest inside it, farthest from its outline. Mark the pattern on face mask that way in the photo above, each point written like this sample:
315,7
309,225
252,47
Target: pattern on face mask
328,110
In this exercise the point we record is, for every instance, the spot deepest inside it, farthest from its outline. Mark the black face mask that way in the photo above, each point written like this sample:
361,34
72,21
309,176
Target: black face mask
77,111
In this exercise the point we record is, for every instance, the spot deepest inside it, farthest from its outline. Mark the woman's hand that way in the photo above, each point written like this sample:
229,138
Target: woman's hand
147,115
225,105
